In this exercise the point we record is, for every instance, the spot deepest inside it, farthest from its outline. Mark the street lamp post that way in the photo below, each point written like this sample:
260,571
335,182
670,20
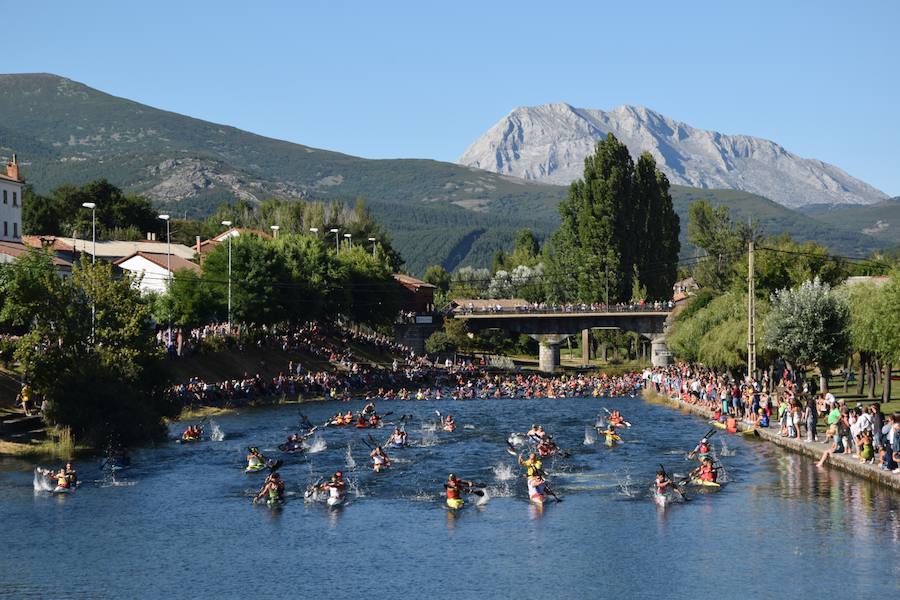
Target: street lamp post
93,207
337,247
228,224
373,240
349,240
169,273
274,229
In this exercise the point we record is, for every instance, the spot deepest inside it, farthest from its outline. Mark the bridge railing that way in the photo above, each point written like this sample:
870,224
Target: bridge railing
559,309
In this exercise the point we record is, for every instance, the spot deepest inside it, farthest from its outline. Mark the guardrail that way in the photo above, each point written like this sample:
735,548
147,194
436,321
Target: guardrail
563,310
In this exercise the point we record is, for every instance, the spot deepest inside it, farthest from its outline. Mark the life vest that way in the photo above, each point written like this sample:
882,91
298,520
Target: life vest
731,425
452,492
707,473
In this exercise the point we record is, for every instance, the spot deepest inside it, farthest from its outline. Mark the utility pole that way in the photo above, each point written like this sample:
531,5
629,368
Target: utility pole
751,314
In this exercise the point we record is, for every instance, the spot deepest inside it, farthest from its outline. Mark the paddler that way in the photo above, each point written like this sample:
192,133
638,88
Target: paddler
71,475
616,419
255,459
398,438
534,433
706,471
449,424
701,451
374,420
532,465
546,447
335,487
272,489
192,432
536,488
455,488
368,409
361,422
662,483
380,459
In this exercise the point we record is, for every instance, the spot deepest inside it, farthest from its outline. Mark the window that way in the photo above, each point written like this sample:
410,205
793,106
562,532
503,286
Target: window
15,229
15,200
4,196
5,229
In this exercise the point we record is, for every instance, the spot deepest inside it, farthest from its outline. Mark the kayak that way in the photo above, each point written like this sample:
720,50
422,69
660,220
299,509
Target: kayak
717,424
449,427
335,501
704,483
255,468
190,438
63,490
275,502
537,499
291,447
612,439
379,467
361,425
455,503
396,445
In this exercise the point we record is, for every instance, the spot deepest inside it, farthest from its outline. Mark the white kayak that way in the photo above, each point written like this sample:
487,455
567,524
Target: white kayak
63,490
660,499
335,501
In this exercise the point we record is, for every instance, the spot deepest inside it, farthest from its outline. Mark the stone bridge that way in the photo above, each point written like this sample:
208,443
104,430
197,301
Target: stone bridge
551,328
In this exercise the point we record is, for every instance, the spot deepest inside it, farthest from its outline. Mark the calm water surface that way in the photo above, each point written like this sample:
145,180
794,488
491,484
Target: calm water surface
179,523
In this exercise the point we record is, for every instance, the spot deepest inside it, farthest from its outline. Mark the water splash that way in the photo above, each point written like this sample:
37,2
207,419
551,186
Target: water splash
315,445
468,426
517,439
725,450
503,472
354,489
41,483
590,436
216,435
429,438
504,490
351,462
626,484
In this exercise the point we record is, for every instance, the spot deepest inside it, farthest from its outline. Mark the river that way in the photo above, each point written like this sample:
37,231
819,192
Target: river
179,523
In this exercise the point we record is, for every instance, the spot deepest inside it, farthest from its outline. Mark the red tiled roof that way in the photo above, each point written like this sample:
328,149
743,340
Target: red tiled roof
55,243
17,249
6,177
411,282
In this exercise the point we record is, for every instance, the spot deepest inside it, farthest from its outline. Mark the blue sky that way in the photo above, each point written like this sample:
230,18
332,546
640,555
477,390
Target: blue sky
425,79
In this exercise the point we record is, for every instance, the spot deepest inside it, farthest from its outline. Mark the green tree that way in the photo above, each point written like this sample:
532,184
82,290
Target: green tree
373,290
808,325
101,384
261,283
721,240
608,224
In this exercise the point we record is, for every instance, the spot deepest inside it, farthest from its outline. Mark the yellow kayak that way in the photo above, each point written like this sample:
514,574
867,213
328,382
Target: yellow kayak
704,483
612,439
455,503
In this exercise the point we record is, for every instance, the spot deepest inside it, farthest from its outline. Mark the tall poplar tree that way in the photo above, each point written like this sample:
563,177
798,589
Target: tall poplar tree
616,223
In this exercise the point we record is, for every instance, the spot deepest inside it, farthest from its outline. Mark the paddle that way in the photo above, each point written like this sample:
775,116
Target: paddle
511,449
674,485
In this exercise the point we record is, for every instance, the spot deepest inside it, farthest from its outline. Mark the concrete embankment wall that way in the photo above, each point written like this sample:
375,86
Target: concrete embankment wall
844,462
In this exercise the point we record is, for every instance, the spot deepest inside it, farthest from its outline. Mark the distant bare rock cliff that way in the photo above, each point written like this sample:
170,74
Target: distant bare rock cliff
549,143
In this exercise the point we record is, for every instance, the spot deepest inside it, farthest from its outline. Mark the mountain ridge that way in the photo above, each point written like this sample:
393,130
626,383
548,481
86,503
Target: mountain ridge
65,132
549,143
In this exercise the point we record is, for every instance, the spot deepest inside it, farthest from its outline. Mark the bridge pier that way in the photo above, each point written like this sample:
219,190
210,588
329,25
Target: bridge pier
659,352
548,352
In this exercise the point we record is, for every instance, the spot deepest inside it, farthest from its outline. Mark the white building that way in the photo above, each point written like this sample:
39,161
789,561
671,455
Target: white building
153,269
11,202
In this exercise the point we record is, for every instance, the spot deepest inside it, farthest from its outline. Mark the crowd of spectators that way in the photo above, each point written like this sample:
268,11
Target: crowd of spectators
795,407
545,307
